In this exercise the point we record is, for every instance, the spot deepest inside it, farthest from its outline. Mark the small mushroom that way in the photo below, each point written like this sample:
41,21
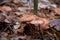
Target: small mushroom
43,22
27,18
33,19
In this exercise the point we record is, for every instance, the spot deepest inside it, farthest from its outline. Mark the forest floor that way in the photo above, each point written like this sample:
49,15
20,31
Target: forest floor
18,21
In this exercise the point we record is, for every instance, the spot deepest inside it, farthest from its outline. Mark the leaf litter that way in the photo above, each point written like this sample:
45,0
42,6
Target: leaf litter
18,22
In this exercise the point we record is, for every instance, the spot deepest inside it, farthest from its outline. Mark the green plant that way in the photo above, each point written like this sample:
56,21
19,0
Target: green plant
35,6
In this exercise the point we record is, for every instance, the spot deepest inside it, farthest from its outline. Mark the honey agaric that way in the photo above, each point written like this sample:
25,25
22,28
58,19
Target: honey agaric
45,25
27,18
43,22
33,19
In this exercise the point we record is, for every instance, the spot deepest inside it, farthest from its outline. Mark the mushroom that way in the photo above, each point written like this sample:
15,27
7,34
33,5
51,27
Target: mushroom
35,20
27,18
43,22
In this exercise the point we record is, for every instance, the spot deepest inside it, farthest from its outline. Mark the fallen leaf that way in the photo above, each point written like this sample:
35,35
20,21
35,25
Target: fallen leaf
57,27
57,10
16,26
1,1
6,8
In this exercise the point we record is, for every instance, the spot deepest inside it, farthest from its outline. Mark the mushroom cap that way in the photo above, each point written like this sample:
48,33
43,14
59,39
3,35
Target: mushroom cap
27,18
33,19
45,24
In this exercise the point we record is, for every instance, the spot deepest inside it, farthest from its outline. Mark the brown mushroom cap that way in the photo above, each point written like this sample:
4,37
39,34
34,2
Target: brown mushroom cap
43,22
27,18
33,19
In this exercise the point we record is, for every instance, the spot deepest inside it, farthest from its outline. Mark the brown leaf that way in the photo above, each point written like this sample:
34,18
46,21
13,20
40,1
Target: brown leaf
57,10
6,8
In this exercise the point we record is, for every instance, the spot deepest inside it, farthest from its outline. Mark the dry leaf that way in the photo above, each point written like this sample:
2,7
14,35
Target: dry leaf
57,10
6,8
16,26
